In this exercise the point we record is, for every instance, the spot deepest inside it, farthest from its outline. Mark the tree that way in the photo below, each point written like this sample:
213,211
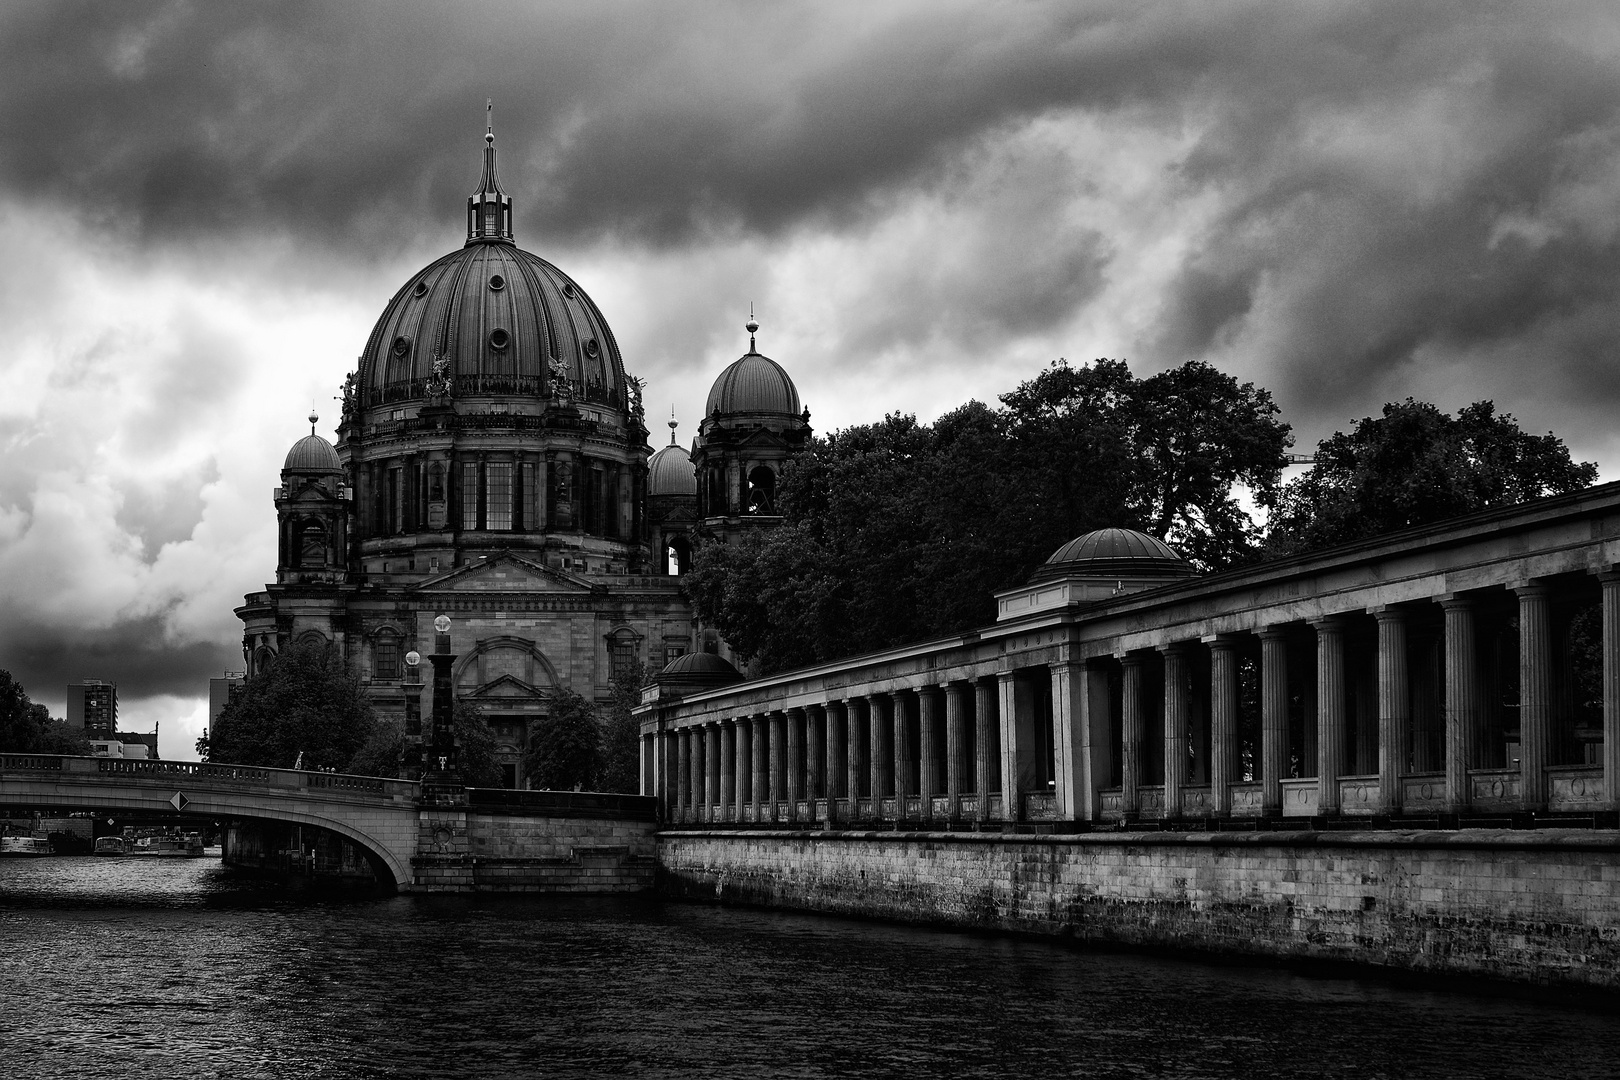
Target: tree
27,727
307,702
564,745
386,749
1415,465
621,734
896,532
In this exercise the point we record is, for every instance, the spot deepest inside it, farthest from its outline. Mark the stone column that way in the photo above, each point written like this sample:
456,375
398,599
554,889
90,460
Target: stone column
955,706
778,724
683,794
711,771
877,717
837,767
760,773
740,767
1394,707
1462,700
1273,717
855,756
1223,717
1329,712
815,744
1007,724
1535,692
984,694
794,719
1176,700
902,756
728,770
1610,581
1068,716
927,750
699,775
1132,721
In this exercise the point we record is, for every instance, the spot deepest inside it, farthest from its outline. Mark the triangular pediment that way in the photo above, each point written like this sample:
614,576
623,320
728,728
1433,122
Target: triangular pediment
507,687
505,572
762,438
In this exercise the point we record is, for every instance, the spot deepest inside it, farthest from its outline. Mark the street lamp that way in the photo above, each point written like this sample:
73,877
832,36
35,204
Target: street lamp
442,782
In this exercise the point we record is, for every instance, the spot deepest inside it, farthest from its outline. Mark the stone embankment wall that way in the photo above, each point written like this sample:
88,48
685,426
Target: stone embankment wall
473,851
1536,907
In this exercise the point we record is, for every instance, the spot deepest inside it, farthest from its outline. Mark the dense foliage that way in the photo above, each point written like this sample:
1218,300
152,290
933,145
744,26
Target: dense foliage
305,702
389,752
26,727
565,745
897,531
620,765
1416,465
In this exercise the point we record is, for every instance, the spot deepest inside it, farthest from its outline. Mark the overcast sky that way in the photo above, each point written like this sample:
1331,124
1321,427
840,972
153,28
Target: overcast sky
203,207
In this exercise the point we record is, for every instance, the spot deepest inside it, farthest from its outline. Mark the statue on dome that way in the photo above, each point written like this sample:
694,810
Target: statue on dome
633,387
349,397
562,387
439,383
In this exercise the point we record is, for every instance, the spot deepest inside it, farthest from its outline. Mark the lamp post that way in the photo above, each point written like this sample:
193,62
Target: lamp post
441,781
413,716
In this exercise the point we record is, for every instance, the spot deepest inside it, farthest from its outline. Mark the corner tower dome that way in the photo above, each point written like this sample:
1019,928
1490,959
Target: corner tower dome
670,471
753,384
312,454
490,320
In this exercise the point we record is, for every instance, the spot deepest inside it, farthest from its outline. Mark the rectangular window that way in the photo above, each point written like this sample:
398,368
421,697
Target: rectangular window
498,512
396,500
622,655
387,658
671,652
469,495
531,497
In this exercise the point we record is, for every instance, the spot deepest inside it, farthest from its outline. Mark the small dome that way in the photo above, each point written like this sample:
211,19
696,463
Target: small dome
1114,553
701,664
670,472
312,454
754,384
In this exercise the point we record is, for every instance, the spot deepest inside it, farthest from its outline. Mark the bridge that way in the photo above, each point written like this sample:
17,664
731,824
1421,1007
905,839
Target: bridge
380,816
481,840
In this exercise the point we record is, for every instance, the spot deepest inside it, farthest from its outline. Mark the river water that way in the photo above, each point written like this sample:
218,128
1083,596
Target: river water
183,968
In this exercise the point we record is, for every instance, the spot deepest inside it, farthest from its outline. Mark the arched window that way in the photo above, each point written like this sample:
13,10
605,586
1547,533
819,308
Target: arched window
678,555
385,656
761,491
624,650
312,546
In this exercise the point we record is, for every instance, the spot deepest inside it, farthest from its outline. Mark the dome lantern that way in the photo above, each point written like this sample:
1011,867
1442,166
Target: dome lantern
489,209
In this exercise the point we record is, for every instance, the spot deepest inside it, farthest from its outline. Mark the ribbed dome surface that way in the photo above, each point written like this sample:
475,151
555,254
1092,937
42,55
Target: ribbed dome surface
670,472
754,384
500,315
312,454
701,664
1111,552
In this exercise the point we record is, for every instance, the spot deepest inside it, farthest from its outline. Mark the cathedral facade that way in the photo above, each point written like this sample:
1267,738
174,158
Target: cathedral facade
492,464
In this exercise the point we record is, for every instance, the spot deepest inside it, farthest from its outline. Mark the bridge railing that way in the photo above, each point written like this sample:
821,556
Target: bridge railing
207,771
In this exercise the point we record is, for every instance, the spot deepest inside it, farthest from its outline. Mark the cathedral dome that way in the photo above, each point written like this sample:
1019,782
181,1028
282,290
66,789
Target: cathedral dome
670,472
507,323
1115,553
753,384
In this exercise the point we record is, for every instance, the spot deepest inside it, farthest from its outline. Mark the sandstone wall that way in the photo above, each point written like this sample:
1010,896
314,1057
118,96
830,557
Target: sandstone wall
1540,907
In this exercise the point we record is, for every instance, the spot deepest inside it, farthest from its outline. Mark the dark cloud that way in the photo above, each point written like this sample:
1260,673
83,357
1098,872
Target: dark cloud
135,654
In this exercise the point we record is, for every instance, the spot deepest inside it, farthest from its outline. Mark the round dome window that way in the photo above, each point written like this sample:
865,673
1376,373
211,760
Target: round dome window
420,290
499,339
496,282
402,345
568,288
591,348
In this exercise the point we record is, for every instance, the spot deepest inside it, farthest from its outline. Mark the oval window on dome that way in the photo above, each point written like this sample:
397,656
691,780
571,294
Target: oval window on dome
568,288
420,290
591,348
496,282
499,339
402,345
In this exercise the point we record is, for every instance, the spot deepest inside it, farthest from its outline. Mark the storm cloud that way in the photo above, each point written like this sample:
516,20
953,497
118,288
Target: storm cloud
205,205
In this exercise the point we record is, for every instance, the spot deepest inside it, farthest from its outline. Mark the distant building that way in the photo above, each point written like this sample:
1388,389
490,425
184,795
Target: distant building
120,748
92,705
219,692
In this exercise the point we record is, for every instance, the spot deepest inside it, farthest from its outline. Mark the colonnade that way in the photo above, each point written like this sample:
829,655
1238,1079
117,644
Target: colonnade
1398,710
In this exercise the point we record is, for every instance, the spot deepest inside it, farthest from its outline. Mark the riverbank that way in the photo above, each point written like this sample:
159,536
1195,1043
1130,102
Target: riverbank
1528,907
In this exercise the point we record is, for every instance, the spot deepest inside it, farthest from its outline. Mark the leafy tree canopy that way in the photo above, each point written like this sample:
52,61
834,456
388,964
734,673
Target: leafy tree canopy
564,751
898,531
305,701
1415,465
26,727
387,750
621,735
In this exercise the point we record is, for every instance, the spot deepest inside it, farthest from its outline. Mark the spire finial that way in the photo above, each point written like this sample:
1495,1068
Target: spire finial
489,121
751,326
312,420
673,424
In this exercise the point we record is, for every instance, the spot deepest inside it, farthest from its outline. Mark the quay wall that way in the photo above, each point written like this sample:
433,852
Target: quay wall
1538,907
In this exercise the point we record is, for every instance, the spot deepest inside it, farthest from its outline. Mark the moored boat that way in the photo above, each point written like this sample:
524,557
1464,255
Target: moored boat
110,845
24,847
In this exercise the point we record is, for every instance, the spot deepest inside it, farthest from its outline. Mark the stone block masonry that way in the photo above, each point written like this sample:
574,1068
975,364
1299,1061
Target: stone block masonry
504,852
1531,907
